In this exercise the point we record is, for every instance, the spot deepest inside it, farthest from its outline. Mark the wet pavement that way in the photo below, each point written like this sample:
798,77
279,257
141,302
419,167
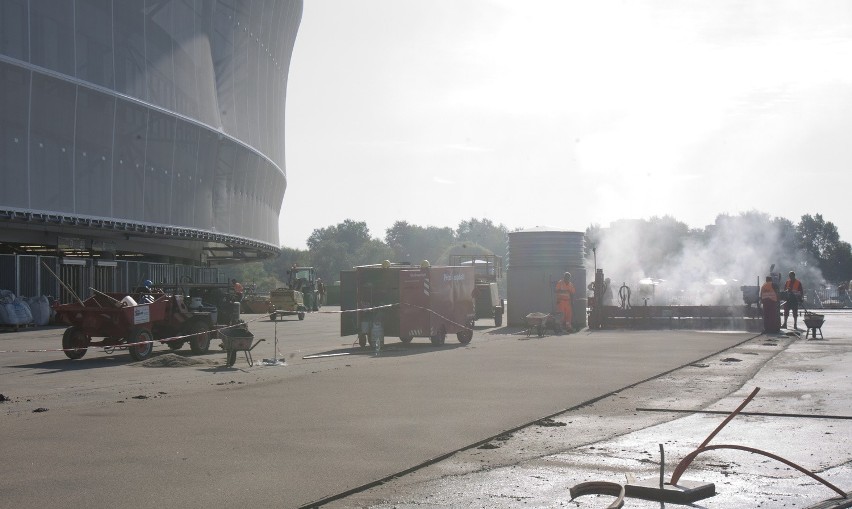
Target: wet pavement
337,418
620,436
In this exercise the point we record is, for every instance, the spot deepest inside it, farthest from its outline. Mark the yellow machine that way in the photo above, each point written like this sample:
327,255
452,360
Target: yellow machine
285,301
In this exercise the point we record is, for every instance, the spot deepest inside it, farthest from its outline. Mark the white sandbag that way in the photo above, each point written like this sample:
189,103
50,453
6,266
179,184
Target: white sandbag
23,315
40,308
7,315
6,297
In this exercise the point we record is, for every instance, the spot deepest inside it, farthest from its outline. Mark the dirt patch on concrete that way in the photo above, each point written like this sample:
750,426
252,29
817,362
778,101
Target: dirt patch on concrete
173,360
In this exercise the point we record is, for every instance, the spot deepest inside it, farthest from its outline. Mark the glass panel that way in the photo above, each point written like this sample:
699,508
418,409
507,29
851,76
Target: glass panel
184,194
245,168
159,155
253,70
129,35
94,41
158,51
223,186
184,42
93,152
129,160
52,35
14,101
225,24
240,70
208,154
52,144
265,75
14,29
205,79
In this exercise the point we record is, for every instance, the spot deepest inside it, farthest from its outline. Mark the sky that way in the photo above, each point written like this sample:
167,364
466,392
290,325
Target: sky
566,113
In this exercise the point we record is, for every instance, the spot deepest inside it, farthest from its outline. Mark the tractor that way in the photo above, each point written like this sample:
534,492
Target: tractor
488,269
299,296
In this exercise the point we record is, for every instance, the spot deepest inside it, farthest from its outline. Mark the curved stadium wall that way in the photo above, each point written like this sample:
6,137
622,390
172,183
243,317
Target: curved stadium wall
160,116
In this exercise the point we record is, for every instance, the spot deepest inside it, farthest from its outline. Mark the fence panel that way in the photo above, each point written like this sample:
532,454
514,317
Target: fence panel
48,284
28,275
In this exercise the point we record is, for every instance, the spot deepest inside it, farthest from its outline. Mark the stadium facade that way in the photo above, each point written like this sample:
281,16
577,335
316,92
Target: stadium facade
140,130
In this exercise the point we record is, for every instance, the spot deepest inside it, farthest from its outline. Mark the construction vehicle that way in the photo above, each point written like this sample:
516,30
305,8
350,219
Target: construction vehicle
488,269
299,296
286,301
134,321
304,279
396,299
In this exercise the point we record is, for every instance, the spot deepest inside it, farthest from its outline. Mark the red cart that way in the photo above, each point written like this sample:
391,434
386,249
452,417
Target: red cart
133,323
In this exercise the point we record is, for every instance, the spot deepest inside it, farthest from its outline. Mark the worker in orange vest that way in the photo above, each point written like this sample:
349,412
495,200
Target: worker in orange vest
795,293
564,298
769,301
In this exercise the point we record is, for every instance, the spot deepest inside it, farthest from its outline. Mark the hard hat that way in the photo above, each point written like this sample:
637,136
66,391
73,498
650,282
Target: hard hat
147,282
567,274
425,264
386,264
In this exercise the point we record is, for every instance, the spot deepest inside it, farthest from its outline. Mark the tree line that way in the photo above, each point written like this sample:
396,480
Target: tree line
813,242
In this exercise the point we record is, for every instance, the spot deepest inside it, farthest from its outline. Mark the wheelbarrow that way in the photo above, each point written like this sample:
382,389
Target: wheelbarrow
237,339
538,322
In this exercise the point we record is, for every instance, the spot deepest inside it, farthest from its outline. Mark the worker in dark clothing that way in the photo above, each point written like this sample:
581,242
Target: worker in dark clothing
794,292
321,291
238,290
769,301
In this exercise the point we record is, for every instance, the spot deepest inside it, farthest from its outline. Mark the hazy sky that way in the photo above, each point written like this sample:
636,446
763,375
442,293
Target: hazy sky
567,113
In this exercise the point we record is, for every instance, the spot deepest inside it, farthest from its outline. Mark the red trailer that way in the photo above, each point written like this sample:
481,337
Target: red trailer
419,302
148,317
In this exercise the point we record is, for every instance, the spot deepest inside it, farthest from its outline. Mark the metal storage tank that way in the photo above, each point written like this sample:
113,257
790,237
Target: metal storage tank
537,260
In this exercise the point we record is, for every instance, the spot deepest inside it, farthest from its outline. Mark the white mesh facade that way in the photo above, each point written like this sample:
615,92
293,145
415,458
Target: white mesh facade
151,112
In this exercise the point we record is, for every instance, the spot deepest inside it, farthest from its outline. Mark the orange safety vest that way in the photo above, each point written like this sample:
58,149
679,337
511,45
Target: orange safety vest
767,291
795,287
564,291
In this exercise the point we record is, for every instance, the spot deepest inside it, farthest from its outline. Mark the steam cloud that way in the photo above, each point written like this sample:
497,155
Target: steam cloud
664,264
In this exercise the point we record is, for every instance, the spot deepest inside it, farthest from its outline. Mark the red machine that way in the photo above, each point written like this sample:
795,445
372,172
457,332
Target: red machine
421,302
136,321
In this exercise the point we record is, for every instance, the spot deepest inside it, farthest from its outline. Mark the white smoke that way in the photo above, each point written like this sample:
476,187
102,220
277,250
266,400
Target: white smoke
663,264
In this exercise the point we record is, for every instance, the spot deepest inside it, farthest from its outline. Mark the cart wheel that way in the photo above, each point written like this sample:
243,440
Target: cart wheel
143,351
301,316
199,343
498,319
175,345
232,358
362,340
464,336
406,339
273,317
74,337
439,338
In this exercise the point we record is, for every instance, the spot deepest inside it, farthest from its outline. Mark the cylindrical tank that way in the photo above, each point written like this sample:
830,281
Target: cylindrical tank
538,258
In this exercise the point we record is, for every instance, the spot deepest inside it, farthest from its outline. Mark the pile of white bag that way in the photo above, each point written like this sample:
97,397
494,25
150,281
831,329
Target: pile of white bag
23,311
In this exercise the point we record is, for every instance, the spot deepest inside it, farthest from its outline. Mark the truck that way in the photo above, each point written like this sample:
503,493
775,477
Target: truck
397,299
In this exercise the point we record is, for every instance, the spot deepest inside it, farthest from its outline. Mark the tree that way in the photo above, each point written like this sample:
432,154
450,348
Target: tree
256,273
411,243
374,251
279,266
353,234
820,239
329,257
485,233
